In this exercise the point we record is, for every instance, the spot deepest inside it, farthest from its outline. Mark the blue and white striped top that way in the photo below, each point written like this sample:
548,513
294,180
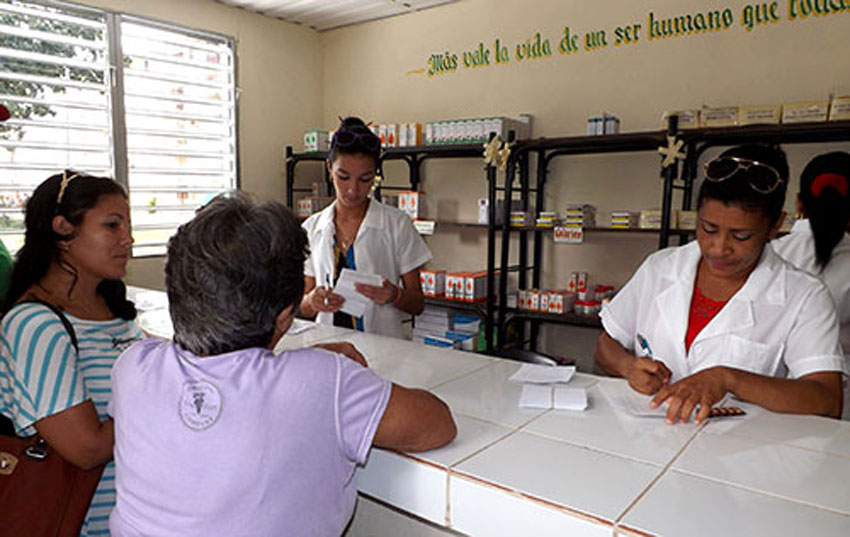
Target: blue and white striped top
41,374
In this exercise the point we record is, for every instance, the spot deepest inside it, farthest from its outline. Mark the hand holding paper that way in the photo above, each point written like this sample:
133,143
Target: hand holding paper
355,303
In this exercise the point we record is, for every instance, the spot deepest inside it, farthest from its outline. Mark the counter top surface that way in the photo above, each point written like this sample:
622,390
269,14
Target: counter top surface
513,471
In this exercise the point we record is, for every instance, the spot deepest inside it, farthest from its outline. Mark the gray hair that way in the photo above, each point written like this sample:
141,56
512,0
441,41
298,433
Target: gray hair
230,271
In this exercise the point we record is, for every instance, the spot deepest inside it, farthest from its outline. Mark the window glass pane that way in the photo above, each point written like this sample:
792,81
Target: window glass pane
54,81
179,99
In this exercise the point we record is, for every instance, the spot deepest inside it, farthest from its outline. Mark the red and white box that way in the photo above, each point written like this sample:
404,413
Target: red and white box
522,299
433,282
572,283
410,202
454,285
561,301
534,299
475,286
544,301
582,281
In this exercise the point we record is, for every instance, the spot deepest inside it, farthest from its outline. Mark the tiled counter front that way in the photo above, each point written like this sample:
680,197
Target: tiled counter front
519,472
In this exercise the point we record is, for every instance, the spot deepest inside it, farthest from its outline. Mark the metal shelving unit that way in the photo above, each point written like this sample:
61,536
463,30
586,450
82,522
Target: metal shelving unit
545,150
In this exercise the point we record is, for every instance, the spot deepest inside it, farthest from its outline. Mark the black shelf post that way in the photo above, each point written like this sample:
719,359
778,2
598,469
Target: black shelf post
491,256
669,173
290,176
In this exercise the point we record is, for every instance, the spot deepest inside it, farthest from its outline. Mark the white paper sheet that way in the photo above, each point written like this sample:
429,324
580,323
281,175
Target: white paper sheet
355,303
543,374
535,396
564,398
630,402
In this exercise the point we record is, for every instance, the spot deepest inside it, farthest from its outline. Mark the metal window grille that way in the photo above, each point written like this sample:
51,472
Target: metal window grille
151,105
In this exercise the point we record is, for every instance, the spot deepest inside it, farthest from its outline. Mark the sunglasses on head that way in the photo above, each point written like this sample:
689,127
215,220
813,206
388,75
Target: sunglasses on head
349,137
763,178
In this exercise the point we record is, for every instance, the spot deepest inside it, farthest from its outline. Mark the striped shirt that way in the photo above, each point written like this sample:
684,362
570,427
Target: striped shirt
42,374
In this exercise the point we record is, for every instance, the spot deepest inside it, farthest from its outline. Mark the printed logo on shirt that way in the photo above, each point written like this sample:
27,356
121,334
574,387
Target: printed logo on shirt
200,404
122,343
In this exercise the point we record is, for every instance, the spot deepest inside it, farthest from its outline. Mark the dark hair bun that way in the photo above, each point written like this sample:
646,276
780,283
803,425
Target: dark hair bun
351,122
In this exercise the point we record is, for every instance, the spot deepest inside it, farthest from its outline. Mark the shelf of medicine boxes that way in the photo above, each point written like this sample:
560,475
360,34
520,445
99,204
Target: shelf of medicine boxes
697,141
413,156
479,308
546,150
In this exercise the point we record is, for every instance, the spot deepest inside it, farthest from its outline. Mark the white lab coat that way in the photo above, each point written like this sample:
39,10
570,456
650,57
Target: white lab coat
781,322
386,244
798,248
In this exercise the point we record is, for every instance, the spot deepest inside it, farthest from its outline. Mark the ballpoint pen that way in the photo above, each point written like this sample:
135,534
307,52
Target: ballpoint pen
327,286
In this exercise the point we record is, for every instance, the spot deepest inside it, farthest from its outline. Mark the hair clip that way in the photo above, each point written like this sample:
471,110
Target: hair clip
63,185
829,180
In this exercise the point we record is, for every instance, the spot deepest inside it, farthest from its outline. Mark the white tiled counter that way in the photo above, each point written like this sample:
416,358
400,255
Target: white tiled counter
513,471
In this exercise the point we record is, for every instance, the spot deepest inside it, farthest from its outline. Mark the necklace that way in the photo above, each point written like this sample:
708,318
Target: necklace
346,240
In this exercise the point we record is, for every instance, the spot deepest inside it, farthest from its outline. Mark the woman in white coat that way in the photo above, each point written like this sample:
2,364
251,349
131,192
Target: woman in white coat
358,232
725,314
819,243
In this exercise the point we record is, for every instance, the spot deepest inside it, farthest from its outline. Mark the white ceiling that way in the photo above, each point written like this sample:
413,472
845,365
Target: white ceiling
329,14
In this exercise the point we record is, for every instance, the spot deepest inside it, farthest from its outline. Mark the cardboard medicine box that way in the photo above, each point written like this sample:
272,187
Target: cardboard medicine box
410,202
433,282
316,140
755,115
804,112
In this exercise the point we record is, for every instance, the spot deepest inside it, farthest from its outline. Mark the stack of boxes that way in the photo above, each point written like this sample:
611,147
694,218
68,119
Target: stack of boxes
835,109
442,327
477,130
603,124
580,215
521,219
624,220
546,219
316,201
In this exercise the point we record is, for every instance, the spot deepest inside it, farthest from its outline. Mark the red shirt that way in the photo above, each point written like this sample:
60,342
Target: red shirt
702,312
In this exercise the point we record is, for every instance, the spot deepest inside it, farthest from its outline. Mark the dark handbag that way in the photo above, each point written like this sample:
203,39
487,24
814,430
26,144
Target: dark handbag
42,494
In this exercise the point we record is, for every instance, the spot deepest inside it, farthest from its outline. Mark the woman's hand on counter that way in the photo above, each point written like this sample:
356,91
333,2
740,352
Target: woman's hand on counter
704,389
346,349
646,375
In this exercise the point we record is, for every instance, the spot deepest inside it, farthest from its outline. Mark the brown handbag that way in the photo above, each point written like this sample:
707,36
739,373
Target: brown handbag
42,494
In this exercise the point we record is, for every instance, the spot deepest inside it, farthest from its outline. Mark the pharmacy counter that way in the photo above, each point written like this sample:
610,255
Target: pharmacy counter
515,471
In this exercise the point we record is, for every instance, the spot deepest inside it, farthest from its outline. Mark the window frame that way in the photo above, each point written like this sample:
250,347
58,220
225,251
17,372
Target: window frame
115,72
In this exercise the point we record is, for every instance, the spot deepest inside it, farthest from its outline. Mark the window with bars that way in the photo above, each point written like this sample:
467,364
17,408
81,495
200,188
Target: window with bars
152,105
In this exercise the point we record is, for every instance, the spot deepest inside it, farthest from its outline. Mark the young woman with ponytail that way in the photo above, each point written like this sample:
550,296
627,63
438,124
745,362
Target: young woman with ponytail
75,253
819,243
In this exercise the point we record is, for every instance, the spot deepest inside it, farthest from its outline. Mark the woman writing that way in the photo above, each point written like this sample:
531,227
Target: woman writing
360,233
725,314
818,243
75,253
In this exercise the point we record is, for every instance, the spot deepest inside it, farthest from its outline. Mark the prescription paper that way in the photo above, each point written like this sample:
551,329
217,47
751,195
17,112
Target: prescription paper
355,303
630,402
543,374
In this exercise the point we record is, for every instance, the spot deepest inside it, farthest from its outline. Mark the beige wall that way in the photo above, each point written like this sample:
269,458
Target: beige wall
279,75
367,72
